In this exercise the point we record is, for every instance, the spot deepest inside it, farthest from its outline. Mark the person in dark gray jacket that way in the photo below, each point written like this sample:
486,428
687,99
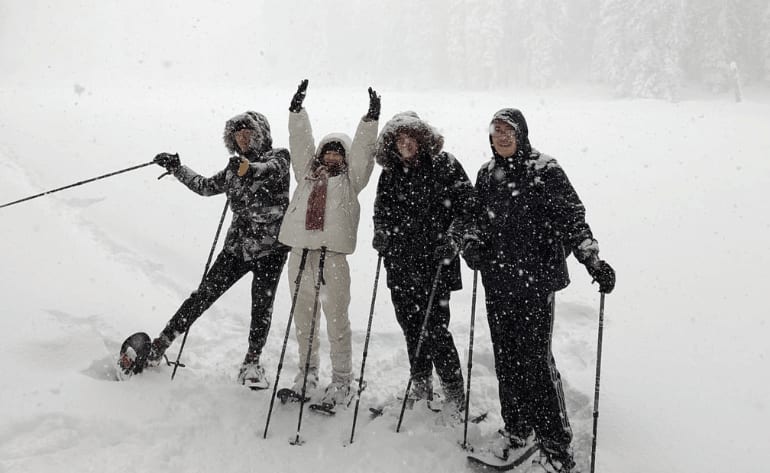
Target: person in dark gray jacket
256,182
528,219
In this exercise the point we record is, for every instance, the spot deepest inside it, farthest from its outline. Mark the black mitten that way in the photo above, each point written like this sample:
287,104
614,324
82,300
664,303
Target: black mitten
170,162
602,273
299,97
381,242
474,254
374,106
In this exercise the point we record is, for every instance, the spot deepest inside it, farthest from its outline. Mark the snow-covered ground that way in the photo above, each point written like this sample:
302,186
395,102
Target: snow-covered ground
677,194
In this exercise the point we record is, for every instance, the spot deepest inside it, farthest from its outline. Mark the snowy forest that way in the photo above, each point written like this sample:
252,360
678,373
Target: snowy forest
663,49
638,48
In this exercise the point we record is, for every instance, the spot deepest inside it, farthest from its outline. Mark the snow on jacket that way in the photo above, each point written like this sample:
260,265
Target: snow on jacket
259,199
342,207
418,206
529,216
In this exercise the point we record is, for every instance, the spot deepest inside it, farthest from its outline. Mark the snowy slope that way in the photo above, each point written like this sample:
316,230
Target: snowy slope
676,194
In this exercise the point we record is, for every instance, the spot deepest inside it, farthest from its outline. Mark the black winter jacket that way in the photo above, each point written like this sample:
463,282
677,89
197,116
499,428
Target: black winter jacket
528,217
418,207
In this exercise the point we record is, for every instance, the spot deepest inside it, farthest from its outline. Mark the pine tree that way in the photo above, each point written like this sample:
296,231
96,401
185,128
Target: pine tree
544,42
611,46
765,44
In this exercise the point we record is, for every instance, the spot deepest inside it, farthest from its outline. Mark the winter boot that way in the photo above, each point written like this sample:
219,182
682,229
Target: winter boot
252,375
422,388
310,386
454,395
507,446
158,349
337,393
556,458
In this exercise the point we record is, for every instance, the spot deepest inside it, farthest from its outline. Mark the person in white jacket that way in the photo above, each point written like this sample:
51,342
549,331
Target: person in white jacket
324,212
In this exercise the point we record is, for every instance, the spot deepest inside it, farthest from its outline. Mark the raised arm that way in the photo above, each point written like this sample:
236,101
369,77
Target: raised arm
362,150
301,141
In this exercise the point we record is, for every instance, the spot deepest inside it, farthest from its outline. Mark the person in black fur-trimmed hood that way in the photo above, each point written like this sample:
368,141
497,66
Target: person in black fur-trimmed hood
256,182
528,219
420,210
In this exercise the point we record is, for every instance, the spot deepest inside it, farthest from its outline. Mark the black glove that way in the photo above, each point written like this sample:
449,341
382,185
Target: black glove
374,105
234,163
447,250
474,254
602,273
299,97
381,242
167,160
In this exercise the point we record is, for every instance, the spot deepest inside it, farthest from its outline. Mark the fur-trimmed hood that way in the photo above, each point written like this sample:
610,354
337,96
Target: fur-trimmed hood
261,141
429,140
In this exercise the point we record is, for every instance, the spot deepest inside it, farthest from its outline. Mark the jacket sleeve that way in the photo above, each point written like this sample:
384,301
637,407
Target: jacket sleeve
274,167
201,185
476,227
361,162
301,143
383,206
461,199
568,214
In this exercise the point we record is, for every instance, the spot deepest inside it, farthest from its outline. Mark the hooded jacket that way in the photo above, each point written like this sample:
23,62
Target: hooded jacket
528,215
258,199
342,207
418,207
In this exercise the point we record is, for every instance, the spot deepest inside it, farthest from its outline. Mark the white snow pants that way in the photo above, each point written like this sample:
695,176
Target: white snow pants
334,299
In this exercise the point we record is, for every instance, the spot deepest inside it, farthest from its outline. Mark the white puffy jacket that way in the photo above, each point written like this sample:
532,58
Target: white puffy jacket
342,207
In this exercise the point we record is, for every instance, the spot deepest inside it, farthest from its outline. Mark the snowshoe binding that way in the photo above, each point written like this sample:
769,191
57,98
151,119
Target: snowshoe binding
289,395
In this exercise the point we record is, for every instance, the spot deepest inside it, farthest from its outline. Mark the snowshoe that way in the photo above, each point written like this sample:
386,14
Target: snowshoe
133,355
324,408
252,375
336,394
289,395
486,461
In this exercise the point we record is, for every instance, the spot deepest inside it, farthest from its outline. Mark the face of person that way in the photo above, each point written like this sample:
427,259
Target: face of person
407,147
503,138
243,138
333,158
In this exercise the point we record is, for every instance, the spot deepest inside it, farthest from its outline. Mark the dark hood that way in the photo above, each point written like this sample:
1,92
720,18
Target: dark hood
261,141
515,118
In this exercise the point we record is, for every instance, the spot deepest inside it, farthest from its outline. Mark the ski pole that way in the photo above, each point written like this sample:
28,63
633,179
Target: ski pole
598,375
470,357
310,341
366,348
297,282
76,184
420,340
205,272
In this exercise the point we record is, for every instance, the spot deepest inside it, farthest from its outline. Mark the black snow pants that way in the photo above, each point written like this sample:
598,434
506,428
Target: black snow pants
438,348
530,388
226,271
